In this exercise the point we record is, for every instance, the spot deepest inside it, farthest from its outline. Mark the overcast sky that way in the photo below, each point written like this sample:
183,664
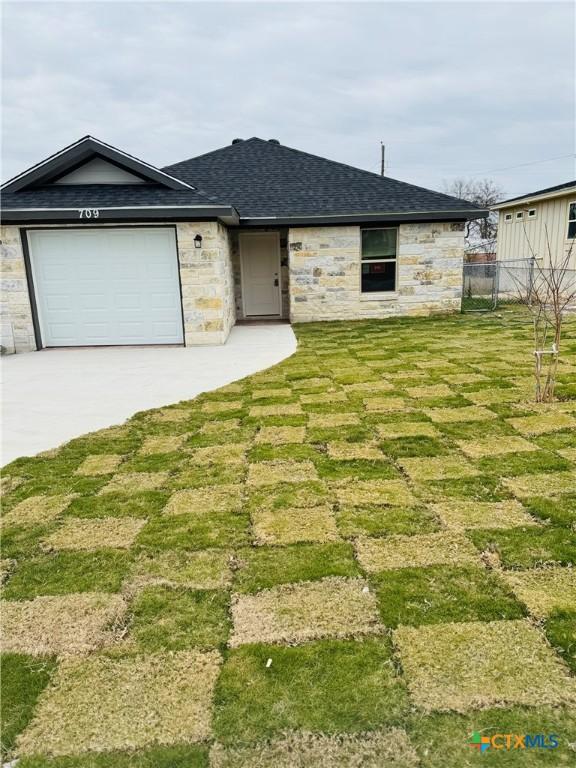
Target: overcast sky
452,89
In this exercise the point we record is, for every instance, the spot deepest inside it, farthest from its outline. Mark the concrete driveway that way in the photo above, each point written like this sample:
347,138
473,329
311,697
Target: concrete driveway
49,397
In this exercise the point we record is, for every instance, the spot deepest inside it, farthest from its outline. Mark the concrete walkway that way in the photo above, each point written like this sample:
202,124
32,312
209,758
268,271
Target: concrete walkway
49,397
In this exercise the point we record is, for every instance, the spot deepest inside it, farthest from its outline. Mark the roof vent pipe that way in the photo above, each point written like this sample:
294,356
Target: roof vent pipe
273,141
237,141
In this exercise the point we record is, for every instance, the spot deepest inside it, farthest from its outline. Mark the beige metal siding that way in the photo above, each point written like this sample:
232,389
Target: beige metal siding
517,239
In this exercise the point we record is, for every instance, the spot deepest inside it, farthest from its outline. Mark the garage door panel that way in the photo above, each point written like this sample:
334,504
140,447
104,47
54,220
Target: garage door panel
100,287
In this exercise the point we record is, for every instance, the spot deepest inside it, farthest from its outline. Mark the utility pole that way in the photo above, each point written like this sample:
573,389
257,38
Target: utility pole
382,164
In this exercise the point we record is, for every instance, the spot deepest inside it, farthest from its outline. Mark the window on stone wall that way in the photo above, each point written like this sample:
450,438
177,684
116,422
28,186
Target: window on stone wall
572,220
378,264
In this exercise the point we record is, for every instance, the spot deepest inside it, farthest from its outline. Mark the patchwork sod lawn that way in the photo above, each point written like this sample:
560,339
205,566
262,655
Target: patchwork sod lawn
359,557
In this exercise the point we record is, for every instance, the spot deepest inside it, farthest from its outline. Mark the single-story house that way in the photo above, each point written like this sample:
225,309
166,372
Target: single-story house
539,224
100,248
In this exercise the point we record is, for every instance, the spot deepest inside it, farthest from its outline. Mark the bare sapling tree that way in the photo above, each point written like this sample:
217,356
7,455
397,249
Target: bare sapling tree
548,293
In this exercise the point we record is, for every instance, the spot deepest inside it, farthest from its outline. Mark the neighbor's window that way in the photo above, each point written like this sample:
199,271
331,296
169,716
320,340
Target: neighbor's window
507,217
532,213
379,260
572,220
520,215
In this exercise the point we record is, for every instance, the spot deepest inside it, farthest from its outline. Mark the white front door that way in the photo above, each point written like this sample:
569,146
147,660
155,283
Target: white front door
260,258
106,286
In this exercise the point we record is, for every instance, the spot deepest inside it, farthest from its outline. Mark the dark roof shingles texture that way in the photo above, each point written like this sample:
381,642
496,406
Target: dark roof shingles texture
260,179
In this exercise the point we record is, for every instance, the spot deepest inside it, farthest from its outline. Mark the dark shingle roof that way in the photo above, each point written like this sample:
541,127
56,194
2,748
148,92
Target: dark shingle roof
546,191
102,196
265,179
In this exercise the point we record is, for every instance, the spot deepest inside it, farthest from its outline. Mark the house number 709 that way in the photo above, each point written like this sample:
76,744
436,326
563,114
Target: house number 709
88,213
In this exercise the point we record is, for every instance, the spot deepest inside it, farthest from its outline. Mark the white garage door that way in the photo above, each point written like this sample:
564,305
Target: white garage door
106,286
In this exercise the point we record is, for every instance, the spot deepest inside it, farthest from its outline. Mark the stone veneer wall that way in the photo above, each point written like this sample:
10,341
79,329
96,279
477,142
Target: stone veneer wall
207,282
205,274
325,273
16,327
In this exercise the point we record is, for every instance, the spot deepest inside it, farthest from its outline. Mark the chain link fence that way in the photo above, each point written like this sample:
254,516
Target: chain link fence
485,286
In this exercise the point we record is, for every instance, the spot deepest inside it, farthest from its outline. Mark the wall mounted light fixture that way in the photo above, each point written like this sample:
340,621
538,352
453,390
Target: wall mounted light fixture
198,241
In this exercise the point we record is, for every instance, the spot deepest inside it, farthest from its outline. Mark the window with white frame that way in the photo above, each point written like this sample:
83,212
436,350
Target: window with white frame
572,220
519,215
507,217
378,260
531,213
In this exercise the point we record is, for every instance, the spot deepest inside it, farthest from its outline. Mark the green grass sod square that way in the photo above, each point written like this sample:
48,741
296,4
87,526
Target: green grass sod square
22,679
326,686
288,496
413,447
558,511
63,573
139,505
265,567
359,469
524,463
194,532
181,756
442,593
443,740
177,619
374,520
560,629
213,474
528,547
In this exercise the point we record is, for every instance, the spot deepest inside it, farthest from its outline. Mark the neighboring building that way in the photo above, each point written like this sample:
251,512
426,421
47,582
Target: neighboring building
527,223
100,248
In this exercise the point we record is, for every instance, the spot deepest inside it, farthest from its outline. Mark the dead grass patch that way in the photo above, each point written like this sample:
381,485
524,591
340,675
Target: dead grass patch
369,386
206,569
544,590
6,566
38,509
132,482
316,382
568,453
431,390
460,515
288,409
300,749
489,446
465,378
80,533
103,704
222,406
437,468
99,464
170,415
352,451
406,429
9,483
288,526
496,395
328,420
444,548
294,613
221,425
384,404
542,423
217,498
281,435
62,624
272,472
359,492
481,664
544,484
162,444
230,453
453,415
323,397
262,394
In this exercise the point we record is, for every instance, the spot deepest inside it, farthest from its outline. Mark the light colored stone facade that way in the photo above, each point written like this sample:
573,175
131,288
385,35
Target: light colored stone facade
16,327
325,273
207,282
205,275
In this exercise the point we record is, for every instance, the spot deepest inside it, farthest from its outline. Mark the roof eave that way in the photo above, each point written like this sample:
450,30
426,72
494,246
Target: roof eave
514,202
361,218
227,214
